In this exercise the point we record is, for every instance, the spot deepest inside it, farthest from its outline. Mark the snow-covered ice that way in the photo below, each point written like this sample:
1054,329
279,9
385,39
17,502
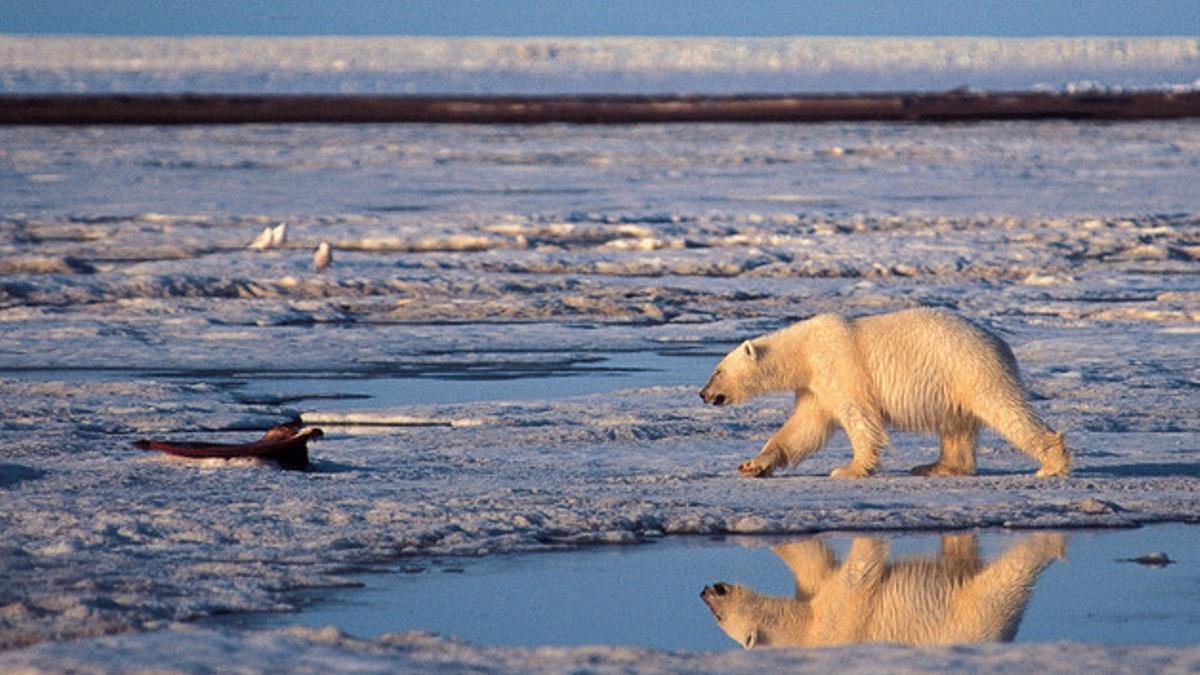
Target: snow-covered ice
131,307
550,65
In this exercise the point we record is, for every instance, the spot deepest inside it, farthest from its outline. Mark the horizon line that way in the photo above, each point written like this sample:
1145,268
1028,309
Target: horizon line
550,36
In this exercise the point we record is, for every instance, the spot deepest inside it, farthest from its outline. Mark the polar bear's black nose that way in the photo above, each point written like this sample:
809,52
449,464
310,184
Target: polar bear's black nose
709,396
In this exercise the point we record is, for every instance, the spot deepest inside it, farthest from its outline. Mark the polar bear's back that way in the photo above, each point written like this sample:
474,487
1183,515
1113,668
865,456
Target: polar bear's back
930,368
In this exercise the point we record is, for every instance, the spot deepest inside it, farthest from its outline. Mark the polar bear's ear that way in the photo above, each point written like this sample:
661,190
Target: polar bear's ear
749,350
751,640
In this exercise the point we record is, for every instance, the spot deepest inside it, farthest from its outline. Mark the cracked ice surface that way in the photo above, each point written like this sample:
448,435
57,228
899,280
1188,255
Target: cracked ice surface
130,307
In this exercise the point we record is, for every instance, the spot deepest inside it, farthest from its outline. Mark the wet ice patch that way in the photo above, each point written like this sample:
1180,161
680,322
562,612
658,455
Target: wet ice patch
336,398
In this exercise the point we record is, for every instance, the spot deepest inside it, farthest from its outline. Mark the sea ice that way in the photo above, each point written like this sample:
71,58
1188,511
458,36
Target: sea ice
130,307
548,65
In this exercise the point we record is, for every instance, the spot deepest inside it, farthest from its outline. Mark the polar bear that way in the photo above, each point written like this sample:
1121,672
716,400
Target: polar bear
917,369
952,598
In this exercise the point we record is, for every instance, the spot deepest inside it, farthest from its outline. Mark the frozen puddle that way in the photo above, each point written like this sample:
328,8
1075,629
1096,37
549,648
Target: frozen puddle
491,377
550,376
1086,587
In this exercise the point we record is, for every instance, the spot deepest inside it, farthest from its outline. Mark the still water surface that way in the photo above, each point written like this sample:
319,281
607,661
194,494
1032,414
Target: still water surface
649,594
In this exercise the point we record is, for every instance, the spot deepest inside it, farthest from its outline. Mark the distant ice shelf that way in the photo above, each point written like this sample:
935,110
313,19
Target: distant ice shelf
616,65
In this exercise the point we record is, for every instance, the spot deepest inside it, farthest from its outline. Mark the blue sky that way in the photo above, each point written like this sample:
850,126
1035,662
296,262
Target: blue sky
603,17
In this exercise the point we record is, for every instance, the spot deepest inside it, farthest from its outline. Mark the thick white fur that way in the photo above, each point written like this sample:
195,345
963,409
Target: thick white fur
915,370
952,598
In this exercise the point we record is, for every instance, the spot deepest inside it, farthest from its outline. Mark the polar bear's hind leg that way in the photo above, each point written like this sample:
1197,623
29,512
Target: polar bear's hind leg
1012,418
958,453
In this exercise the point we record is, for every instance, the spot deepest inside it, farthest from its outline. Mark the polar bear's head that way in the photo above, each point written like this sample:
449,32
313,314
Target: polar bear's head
728,604
753,619
738,376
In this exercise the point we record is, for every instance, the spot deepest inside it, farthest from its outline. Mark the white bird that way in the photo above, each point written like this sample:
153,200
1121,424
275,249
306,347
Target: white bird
279,235
323,257
262,241
270,237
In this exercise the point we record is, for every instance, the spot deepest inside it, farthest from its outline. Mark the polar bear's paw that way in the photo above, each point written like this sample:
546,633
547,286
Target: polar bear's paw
851,470
1052,470
939,469
756,468
1056,459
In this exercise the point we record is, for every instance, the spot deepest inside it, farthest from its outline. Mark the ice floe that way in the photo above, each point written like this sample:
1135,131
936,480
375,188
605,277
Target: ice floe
130,306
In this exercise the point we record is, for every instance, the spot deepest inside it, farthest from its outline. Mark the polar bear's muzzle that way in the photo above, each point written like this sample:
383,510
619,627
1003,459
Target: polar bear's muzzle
709,395
710,596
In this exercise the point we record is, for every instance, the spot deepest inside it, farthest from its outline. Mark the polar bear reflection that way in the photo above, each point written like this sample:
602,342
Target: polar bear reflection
945,599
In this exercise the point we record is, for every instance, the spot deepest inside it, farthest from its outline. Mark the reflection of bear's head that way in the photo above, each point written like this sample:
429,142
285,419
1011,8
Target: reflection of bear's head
738,376
753,619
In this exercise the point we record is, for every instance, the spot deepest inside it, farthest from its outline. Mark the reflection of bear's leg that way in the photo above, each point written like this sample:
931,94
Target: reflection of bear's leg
958,453
811,562
990,606
865,562
864,427
1012,418
804,431
960,554
842,608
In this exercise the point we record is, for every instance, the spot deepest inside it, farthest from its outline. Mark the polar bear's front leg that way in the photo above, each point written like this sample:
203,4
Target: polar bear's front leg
764,463
803,432
867,438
